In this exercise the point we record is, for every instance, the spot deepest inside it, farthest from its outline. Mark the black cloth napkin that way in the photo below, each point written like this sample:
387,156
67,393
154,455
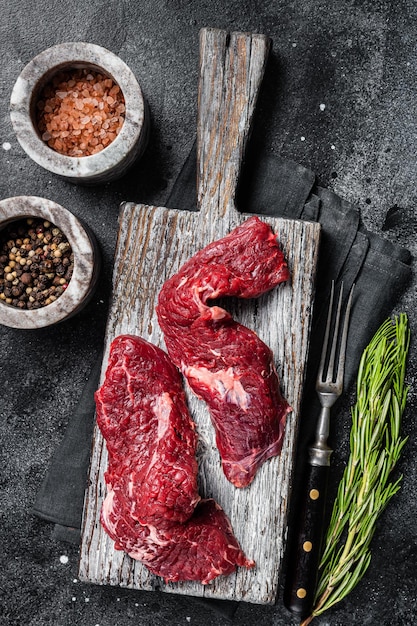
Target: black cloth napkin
61,496
280,188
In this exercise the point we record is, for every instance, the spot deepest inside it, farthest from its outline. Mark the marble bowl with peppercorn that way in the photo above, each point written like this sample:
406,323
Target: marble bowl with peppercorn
79,112
49,263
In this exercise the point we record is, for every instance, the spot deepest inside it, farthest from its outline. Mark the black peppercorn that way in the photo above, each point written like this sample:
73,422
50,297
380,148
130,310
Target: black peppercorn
26,278
16,291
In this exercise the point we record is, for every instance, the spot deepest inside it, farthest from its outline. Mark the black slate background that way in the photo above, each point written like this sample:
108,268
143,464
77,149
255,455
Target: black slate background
360,60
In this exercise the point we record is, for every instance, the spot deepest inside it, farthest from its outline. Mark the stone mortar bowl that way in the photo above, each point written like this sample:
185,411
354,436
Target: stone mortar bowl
118,156
86,262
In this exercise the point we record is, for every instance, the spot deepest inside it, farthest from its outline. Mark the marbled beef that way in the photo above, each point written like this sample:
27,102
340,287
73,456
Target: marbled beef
225,363
152,509
142,414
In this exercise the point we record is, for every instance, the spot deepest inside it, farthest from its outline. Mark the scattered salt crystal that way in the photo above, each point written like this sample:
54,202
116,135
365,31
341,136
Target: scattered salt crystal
333,147
294,45
86,599
302,138
63,559
75,580
188,619
7,145
322,107
73,598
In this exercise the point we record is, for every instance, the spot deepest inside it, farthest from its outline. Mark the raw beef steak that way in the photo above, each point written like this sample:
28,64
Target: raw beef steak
152,509
225,363
150,436
201,548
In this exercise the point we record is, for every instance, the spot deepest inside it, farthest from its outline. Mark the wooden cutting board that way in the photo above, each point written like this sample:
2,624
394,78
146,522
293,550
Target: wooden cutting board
153,243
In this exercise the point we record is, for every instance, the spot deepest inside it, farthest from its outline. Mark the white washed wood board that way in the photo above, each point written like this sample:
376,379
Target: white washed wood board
153,243
282,319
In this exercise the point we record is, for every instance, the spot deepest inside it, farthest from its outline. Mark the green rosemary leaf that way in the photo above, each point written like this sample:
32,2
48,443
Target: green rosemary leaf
349,583
366,487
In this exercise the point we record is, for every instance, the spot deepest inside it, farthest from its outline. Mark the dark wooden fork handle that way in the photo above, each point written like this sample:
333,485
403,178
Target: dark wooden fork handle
304,557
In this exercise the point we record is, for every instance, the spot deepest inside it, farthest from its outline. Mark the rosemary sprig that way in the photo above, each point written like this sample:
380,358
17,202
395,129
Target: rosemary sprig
375,447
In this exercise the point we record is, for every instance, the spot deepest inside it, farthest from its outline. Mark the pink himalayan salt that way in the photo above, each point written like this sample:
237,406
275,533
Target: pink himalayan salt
76,110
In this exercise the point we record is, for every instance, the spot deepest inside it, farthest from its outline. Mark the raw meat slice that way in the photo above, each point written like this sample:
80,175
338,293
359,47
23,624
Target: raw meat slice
225,363
150,436
200,549
152,509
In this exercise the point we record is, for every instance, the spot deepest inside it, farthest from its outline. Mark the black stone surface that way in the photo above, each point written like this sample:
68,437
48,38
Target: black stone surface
359,60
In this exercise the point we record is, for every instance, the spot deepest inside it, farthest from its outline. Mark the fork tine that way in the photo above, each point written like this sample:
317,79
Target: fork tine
332,358
343,341
320,374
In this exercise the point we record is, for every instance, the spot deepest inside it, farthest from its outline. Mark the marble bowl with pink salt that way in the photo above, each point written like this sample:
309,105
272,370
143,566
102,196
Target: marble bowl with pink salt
78,111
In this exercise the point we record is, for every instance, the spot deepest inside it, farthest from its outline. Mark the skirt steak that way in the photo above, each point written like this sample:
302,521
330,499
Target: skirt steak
153,510
225,363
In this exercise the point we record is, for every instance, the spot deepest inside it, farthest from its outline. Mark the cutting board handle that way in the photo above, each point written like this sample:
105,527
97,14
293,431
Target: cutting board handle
231,71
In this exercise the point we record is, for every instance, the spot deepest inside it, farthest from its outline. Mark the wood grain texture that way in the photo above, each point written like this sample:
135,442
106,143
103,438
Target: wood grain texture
153,243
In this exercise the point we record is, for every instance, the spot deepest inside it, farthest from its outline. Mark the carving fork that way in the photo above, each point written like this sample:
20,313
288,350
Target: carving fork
304,560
